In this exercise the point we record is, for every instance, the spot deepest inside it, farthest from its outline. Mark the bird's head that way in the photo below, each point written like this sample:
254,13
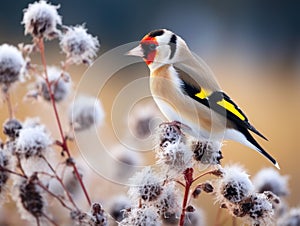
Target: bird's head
160,47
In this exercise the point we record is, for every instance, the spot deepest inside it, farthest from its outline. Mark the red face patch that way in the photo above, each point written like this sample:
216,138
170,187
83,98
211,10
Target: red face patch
149,45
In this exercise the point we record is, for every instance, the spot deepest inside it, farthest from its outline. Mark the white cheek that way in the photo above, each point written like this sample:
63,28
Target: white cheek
162,55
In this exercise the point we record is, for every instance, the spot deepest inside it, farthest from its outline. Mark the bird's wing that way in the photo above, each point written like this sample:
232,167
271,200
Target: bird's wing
219,102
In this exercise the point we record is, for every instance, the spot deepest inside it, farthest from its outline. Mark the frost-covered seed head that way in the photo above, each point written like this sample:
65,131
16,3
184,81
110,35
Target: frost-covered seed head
118,206
168,202
31,198
32,141
86,112
207,152
176,155
79,46
234,186
146,185
41,19
257,210
59,86
11,128
4,175
174,151
291,218
12,64
269,179
99,217
169,132
145,216
150,192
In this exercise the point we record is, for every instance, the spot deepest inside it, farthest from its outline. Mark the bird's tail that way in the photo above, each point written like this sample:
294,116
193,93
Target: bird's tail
242,135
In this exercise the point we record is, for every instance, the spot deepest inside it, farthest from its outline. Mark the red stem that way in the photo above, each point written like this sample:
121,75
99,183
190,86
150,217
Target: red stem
61,182
188,176
12,172
206,173
64,142
40,184
50,220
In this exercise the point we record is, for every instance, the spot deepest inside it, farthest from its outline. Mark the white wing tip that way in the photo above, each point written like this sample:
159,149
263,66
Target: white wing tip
277,165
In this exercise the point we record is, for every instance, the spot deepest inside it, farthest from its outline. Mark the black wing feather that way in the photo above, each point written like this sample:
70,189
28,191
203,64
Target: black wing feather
211,102
249,137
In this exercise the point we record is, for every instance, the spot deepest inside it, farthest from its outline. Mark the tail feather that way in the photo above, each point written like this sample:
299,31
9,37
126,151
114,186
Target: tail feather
243,136
250,127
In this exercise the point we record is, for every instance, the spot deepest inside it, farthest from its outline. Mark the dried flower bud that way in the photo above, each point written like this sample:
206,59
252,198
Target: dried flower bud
40,20
196,192
99,217
79,46
12,64
206,187
217,173
31,198
70,161
4,175
11,128
190,208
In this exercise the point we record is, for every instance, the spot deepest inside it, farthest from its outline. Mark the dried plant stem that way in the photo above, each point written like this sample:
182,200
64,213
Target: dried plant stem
179,182
188,176
206,173
9,105
64,144
19,165
12,172
37,221
53,195
50,220
61,182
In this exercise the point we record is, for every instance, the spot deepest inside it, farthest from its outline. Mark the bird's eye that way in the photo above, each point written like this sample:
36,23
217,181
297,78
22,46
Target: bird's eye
152,47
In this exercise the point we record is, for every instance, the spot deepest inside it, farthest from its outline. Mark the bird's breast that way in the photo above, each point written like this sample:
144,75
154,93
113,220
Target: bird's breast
176,106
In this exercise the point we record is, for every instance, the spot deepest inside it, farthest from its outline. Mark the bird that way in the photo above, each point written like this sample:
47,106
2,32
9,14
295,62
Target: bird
186,91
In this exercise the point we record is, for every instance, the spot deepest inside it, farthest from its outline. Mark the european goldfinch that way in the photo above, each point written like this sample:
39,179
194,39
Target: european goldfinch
185,90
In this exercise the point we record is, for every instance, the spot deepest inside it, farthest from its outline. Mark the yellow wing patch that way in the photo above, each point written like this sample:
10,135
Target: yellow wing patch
230,107
202,94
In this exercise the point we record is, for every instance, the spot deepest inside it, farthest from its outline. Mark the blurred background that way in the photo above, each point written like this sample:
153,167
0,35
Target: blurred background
253,48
